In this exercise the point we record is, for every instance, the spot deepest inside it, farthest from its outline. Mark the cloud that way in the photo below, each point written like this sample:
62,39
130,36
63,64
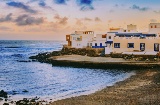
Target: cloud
157,12
97,19
109,21
21,6
153,20
23,20
61,20
7,18
79,22
60,1
87,19
42,4
116,5
85,5
3,28
135,7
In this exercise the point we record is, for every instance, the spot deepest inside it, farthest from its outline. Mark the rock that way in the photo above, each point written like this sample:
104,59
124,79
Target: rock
25,91
3,94
6,104
26,101
1,99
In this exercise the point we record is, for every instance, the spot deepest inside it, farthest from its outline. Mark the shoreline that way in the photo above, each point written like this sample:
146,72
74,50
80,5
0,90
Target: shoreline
142,88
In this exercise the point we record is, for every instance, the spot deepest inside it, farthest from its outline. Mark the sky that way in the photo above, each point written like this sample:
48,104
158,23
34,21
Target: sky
53,19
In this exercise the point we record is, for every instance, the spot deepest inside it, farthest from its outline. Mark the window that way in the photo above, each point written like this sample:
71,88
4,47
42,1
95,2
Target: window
109,37
95,44
142,46
151,27
90,44
155,26
156,47
87,44
130,45
116,45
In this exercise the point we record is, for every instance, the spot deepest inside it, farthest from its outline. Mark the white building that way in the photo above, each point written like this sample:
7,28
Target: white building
99,41
132,41
131,28
83,39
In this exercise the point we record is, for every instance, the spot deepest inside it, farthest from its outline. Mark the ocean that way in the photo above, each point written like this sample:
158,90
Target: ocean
21,78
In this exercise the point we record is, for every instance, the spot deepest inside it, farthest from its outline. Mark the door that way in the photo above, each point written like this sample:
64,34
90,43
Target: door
100,45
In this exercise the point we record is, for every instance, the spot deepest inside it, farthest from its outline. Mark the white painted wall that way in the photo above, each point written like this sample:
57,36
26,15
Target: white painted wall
154,28
84,38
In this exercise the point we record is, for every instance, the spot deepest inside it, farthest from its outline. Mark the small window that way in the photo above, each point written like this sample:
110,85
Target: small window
155,26
116,45
95,44
142,46
90,44
156,47
109,37
130,45
87,44
151,27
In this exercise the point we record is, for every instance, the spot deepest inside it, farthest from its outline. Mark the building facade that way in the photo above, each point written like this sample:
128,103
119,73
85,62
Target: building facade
84,39
135,42
132,41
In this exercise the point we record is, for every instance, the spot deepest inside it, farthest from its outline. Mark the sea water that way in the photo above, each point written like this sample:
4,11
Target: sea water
23,79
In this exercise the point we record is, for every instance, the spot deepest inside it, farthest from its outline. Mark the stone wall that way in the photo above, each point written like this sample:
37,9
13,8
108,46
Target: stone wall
82,51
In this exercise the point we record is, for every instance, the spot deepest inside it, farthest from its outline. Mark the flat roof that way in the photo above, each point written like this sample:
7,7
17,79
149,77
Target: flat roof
135,34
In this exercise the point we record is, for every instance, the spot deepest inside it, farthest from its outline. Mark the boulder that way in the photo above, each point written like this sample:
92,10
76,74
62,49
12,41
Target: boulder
3,94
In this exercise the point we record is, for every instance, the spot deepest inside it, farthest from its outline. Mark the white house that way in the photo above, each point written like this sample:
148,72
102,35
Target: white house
83,39
80,39
132,41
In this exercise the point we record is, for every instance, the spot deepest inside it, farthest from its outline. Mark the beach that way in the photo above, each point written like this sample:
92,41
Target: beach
142,88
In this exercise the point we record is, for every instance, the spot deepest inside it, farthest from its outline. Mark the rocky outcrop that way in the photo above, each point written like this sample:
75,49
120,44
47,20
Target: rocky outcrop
43,57
82,51
3,94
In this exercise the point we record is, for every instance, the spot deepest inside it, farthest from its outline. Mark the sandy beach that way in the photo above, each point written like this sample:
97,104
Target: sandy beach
140,89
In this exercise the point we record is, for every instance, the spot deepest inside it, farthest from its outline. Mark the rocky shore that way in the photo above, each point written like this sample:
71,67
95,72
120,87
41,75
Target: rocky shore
97,59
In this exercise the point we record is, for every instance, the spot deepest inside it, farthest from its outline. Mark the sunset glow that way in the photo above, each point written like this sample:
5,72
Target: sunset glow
53,19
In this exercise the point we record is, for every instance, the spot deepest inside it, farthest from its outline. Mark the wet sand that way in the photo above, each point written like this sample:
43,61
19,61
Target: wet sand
140,89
